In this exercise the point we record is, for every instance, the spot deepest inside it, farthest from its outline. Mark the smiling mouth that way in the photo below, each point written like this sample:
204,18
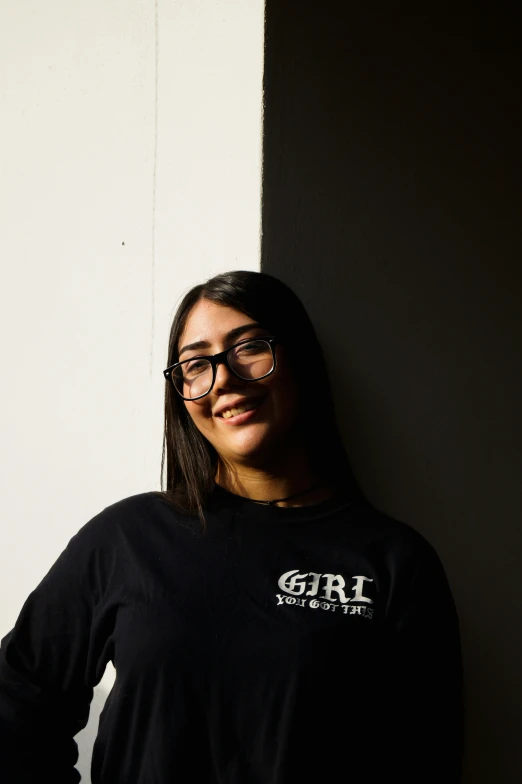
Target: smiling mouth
237,412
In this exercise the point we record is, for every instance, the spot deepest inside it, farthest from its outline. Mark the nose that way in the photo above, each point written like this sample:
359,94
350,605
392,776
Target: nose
224,377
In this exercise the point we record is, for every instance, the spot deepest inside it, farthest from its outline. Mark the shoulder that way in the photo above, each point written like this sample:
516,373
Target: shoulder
400,542
106,524
411,572
128,523
135,518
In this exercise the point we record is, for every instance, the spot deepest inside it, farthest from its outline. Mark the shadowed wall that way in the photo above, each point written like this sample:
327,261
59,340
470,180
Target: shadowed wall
391,204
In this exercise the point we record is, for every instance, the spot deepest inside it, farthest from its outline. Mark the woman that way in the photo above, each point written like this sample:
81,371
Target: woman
266,623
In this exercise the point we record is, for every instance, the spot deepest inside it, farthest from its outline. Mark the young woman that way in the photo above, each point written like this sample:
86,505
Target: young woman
266,623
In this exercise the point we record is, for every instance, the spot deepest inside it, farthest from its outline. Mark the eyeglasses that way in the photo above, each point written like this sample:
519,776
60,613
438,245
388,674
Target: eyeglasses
249,360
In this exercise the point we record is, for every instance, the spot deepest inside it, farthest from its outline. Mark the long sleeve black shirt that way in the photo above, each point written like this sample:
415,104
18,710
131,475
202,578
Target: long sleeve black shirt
312,643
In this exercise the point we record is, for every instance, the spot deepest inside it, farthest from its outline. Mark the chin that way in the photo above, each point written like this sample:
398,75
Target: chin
255,449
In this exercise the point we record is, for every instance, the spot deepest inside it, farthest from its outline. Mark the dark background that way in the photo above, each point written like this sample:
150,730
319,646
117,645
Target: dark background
391,205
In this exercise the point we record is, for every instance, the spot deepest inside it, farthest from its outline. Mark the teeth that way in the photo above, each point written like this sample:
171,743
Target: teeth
230,412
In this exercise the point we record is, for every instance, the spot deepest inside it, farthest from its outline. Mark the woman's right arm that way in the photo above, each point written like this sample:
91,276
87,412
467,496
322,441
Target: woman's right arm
50,662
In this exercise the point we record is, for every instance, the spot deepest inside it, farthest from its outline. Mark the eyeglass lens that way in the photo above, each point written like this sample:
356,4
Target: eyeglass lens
250,361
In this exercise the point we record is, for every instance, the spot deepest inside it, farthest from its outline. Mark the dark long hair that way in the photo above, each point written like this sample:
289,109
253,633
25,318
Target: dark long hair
190,459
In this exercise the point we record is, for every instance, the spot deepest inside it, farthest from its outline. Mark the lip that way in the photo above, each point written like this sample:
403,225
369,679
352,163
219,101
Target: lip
240,401
239,419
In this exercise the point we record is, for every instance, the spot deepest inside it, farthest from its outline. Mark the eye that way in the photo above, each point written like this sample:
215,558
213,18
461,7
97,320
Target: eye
196,367
252,347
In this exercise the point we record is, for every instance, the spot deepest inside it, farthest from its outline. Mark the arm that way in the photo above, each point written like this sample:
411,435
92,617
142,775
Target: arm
49,664
426,681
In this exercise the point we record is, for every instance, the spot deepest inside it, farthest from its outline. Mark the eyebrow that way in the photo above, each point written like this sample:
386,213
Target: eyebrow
234,333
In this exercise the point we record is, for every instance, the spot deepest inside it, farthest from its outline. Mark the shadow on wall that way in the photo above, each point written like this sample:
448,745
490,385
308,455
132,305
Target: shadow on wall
391,204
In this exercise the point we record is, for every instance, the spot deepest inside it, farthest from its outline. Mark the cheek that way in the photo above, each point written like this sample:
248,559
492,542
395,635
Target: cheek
287,391
199,413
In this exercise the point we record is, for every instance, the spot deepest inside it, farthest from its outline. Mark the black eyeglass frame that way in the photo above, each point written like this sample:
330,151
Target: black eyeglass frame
222,357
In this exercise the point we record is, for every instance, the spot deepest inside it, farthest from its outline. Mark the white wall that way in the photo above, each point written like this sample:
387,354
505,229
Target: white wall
130,169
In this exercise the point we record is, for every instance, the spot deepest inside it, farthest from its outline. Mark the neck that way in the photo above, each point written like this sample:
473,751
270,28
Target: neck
261,484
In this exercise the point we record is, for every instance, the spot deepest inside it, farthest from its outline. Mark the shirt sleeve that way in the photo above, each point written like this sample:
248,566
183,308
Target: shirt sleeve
426,705
49,663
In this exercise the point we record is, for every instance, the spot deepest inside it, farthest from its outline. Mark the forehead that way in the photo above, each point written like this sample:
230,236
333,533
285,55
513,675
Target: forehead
210,322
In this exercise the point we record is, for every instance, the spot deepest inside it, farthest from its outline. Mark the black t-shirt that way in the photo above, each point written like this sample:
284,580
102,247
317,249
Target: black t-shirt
315,643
